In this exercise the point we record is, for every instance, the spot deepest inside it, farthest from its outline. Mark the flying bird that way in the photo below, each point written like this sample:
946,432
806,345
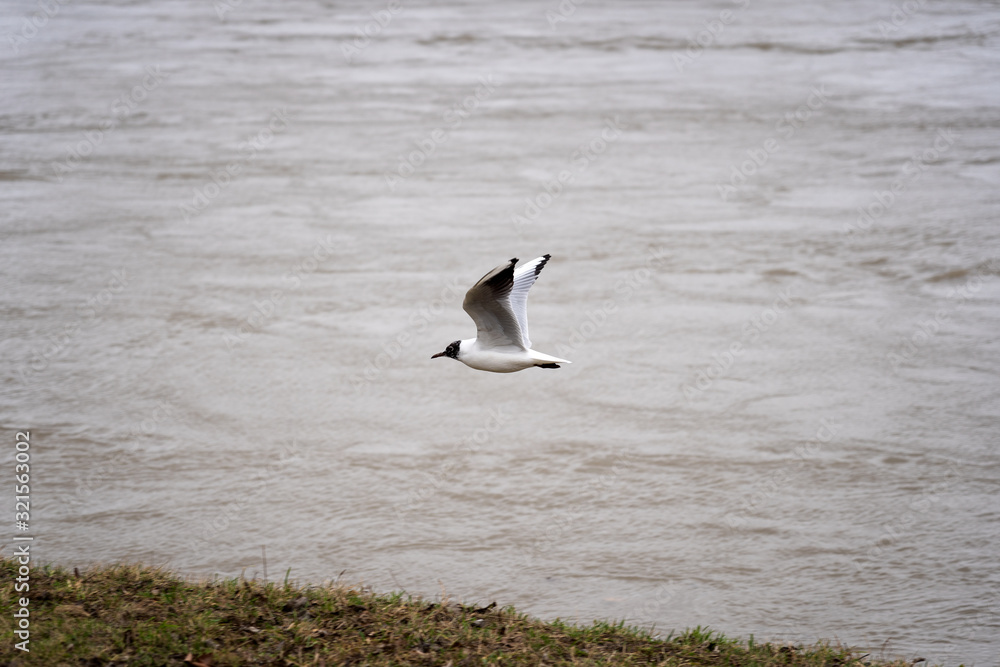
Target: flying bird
498,304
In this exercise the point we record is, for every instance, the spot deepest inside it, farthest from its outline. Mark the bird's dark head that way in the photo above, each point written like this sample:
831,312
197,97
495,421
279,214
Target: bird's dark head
450,351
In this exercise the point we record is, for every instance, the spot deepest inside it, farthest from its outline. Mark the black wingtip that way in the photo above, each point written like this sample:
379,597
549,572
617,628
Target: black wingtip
513,260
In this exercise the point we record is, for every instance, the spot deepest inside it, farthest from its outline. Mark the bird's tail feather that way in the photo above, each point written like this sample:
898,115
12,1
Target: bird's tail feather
546,358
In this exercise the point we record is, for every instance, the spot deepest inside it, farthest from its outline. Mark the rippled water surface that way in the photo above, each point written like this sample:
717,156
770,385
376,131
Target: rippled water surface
233,235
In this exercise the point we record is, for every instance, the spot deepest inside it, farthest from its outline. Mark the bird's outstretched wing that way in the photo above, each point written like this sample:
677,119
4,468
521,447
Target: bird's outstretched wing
488,304
524,278
498,304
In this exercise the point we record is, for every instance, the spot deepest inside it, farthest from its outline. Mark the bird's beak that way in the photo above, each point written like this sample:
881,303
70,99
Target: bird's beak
439,354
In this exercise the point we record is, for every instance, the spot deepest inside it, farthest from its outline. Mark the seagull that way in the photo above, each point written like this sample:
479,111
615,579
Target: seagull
498,304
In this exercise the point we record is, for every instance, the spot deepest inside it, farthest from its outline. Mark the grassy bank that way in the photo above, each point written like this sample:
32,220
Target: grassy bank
132,615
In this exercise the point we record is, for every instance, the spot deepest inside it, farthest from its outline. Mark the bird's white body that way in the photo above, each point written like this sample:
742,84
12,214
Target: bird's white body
498,304
502,359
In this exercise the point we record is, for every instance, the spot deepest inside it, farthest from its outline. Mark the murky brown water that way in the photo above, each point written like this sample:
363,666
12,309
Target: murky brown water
233,235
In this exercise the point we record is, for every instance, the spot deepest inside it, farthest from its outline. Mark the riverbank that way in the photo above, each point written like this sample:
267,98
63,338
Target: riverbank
136,615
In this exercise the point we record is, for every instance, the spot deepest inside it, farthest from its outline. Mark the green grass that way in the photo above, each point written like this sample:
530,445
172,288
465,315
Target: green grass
135,615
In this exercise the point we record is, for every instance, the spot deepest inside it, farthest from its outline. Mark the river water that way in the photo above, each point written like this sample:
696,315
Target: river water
233,234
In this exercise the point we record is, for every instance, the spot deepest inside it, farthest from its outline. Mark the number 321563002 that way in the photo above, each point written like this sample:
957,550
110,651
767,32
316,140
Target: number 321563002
21,470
